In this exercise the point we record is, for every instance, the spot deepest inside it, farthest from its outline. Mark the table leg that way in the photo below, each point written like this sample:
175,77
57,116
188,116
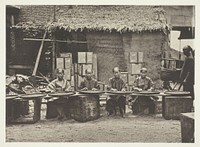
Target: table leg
37,110
163,106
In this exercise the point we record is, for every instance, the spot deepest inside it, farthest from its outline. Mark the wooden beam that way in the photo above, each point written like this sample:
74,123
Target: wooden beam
38,56
49,40
20,67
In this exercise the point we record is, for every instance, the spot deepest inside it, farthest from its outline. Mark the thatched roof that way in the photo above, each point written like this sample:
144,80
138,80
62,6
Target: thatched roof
106,18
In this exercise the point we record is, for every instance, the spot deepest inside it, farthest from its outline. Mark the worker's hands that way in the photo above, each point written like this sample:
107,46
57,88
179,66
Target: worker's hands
84,89
112,89
150,89
123,89
94,89
137,89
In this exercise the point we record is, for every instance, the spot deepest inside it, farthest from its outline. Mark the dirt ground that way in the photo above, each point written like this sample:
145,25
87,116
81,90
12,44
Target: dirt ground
132,128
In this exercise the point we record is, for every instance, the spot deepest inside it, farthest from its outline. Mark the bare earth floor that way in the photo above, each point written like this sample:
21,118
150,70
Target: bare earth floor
145,128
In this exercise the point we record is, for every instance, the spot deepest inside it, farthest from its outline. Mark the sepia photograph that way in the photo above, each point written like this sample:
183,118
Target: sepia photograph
100,73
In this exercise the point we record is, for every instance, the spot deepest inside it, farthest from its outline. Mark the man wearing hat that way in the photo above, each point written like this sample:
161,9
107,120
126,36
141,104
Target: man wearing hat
89,83
143,83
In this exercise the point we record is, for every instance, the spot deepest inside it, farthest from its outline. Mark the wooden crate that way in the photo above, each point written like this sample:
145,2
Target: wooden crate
82,57
172,106
187,127
60,63
66,55
68,63
140,57
86,66
89,57
133,57
67,74
85,108
135,68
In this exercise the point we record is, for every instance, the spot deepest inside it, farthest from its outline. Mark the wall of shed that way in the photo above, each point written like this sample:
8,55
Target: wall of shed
113,49
151,44
109,50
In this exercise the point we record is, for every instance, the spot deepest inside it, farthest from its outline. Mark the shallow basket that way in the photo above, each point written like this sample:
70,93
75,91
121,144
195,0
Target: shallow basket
85,107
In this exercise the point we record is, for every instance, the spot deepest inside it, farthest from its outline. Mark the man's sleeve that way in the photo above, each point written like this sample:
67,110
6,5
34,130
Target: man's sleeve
123,85
109,84
96,85
82,85
150,83
185,70
135,83
68,86
51,86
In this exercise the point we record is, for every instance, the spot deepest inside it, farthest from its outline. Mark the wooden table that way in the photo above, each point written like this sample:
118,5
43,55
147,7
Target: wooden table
62,99
85,106
147,95
187,127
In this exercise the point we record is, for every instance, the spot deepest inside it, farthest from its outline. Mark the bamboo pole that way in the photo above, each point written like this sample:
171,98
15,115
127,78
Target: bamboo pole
38,56
49,40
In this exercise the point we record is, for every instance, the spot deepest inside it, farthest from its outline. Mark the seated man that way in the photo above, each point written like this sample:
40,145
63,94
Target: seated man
89,83
143,83
58,85
116,84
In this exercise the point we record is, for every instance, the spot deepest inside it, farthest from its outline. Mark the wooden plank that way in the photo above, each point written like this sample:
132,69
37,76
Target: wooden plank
86,66
67,74
140,57
133,57
81,57
89,57
135,68
20,67
68,63
66,55
60,63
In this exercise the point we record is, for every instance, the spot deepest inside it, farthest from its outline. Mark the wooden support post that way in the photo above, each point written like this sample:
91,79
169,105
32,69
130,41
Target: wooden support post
38,56
53,52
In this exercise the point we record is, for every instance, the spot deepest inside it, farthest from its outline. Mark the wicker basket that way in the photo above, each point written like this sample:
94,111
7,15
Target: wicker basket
170,75
85,107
